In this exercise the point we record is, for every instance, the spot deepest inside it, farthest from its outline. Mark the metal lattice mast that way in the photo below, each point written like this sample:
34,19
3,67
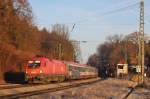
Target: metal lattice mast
77,50
141,31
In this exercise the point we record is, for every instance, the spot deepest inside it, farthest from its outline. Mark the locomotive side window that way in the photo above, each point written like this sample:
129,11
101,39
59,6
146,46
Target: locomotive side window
34,64
45,64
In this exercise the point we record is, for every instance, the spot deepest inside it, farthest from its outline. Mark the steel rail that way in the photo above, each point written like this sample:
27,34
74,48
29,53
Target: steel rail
58,88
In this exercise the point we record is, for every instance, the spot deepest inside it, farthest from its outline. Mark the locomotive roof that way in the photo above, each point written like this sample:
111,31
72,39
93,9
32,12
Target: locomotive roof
40,58
43,59
77,64
59,61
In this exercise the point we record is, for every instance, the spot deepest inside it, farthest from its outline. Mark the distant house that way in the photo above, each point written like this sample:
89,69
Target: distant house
122,68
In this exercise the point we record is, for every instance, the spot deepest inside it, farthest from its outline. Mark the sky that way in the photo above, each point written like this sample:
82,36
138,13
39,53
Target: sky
94,20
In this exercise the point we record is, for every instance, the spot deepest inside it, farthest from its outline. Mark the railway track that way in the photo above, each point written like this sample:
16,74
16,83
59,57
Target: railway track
130,90
10,86
39,89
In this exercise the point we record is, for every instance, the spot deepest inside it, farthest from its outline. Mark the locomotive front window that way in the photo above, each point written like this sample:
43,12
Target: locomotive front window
34,64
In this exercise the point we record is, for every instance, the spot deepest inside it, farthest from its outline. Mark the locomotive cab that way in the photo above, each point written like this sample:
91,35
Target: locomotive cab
34,65
35,69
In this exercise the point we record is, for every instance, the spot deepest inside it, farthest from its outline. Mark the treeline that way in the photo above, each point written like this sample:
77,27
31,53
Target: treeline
118,48
20,38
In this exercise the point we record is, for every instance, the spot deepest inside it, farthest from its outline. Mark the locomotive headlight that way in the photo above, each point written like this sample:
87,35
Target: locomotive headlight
41,71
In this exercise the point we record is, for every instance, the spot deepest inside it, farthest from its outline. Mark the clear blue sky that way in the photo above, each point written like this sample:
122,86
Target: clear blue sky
93,23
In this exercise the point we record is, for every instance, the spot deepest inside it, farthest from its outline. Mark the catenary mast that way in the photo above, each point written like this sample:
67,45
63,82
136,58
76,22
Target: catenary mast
141,38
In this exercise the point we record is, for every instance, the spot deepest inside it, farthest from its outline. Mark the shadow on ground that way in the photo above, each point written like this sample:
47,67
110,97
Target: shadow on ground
14,77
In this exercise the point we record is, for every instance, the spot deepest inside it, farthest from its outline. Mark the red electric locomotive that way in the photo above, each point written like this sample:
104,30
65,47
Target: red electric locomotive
45,70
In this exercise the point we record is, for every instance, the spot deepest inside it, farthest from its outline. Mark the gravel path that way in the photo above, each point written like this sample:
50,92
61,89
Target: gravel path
141,93
105,89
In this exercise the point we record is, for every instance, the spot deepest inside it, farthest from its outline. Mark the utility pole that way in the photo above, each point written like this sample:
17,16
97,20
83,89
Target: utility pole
141,40
60,53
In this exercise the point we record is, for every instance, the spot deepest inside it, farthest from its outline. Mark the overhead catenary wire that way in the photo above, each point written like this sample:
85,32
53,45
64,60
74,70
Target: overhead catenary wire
112,11
103,14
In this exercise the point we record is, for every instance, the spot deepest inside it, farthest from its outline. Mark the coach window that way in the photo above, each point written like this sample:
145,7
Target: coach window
70,67
82,69
88,70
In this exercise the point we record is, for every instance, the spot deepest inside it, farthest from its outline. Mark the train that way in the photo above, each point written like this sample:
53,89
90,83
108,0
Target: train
42,69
